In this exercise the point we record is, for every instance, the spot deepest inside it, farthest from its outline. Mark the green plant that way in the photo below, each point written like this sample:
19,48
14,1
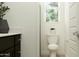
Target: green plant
52,12
51,15
3,10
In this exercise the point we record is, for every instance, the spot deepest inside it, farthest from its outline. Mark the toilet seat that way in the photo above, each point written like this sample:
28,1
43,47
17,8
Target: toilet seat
52,46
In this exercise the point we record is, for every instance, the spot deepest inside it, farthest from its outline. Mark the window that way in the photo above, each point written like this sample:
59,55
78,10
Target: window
52,11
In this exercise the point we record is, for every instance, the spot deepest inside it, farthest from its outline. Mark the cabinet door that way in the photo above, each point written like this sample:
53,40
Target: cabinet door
17,48
8,53
6,43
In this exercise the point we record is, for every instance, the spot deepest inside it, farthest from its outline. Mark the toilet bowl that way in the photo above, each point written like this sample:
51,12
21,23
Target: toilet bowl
52,45
52,49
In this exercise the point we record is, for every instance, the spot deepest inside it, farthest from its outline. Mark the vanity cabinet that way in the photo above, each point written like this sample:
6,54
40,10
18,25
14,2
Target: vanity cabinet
10,45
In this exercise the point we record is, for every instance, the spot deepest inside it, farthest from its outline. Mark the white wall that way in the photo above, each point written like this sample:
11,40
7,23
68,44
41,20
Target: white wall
61,28
73,41
44,47
25,18
67,25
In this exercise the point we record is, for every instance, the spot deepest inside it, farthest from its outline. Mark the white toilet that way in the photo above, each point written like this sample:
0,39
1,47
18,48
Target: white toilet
52,45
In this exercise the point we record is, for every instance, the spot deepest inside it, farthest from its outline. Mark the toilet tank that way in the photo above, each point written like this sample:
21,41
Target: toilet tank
52,39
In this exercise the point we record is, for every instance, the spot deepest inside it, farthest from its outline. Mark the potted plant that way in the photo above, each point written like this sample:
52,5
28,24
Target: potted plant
4,28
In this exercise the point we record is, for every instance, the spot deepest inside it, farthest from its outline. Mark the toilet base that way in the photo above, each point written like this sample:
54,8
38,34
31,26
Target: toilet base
53,54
